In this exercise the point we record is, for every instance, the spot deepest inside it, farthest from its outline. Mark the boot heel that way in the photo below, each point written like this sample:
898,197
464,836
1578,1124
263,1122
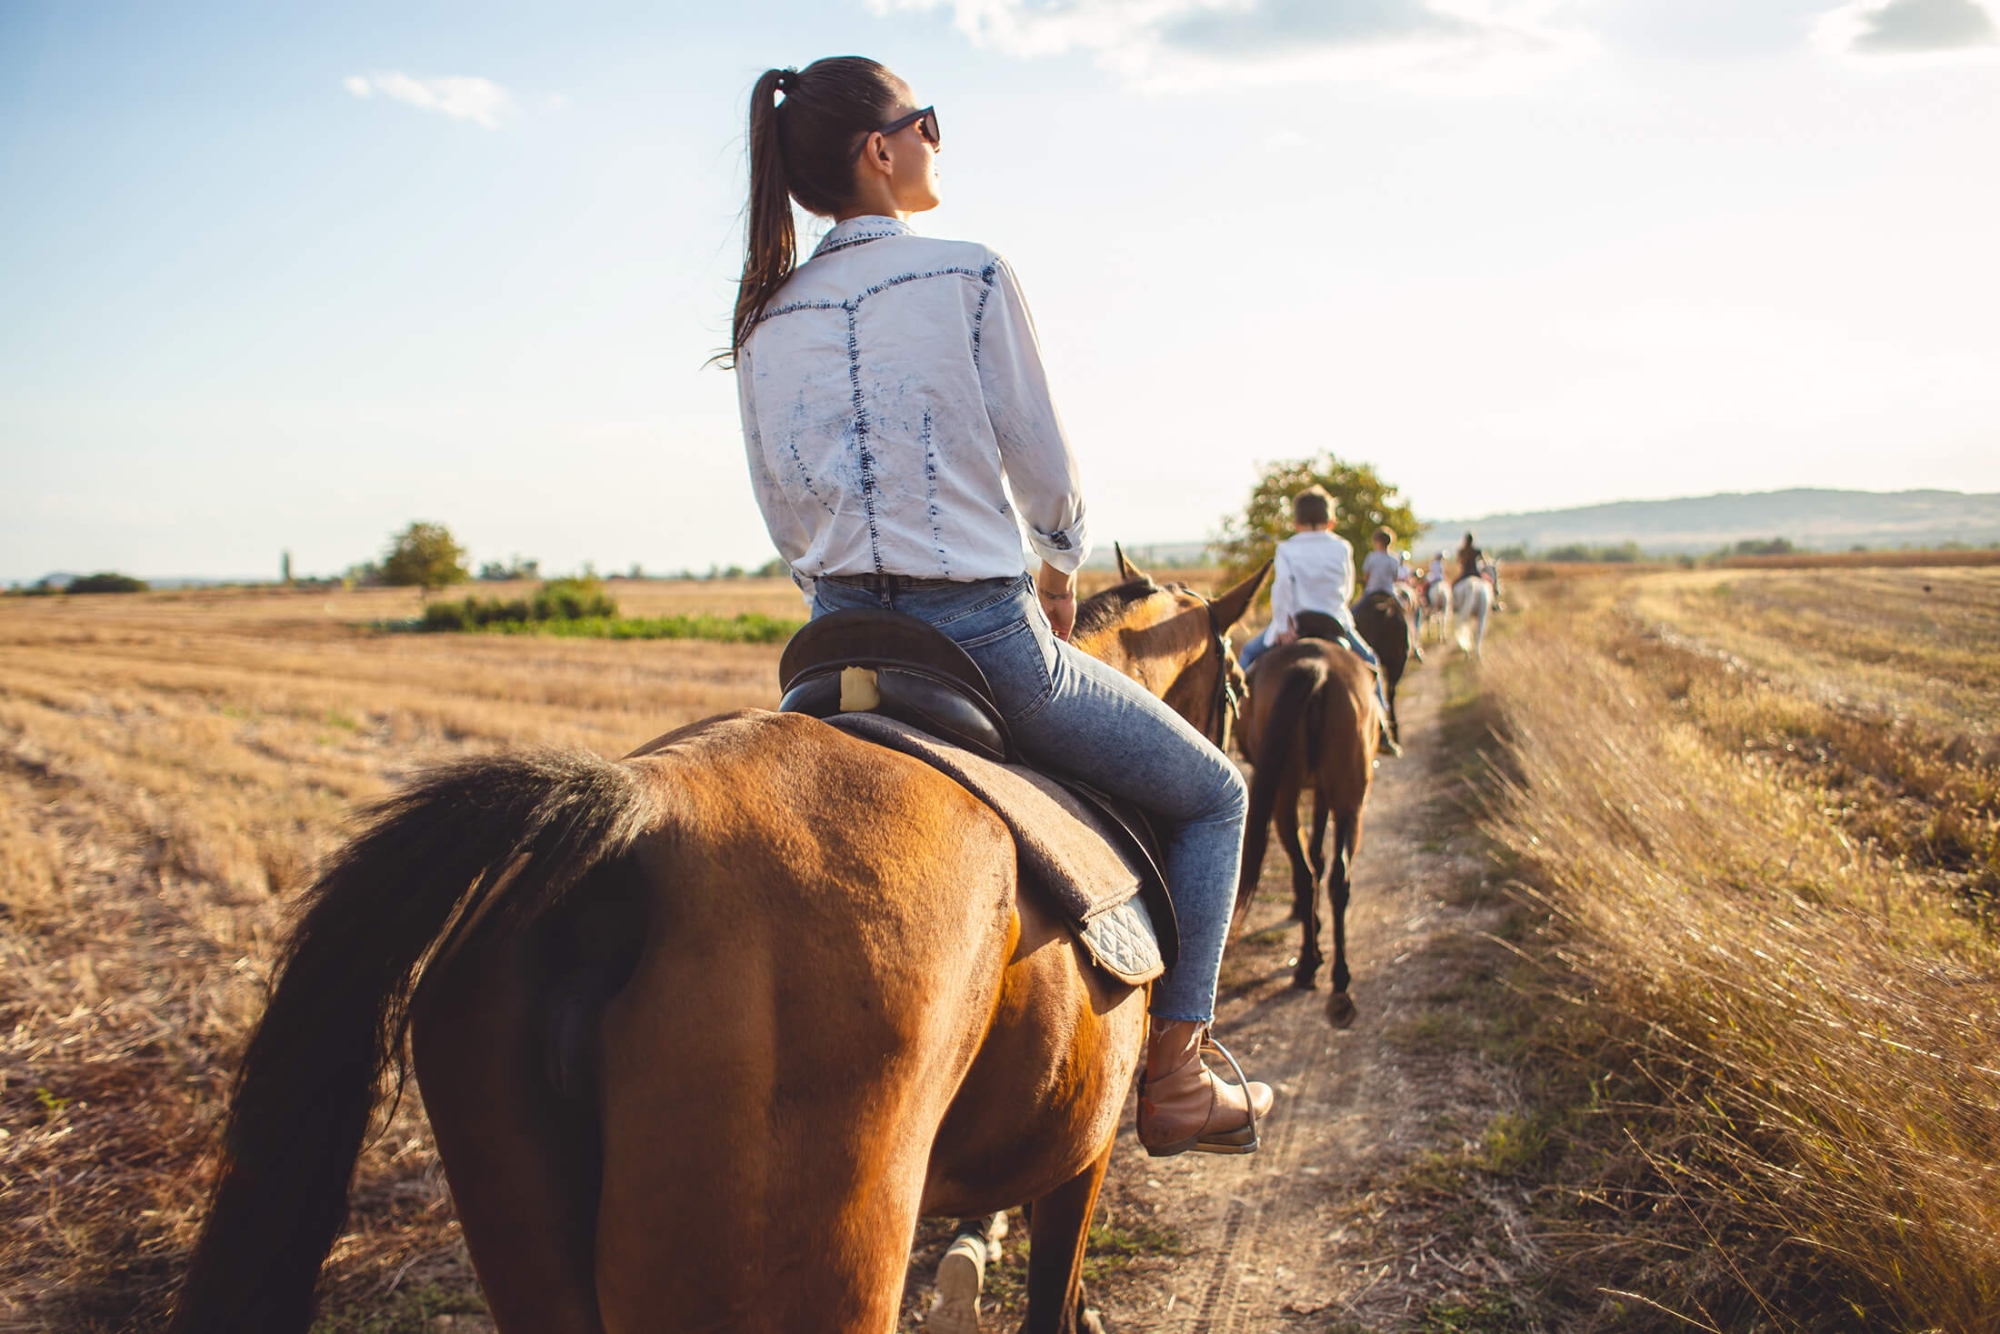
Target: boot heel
959,1274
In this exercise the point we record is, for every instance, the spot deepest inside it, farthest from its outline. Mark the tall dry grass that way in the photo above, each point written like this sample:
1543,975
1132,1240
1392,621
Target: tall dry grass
1808,1018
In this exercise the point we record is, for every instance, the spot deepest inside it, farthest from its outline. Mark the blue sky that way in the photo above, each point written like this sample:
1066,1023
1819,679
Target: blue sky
272,279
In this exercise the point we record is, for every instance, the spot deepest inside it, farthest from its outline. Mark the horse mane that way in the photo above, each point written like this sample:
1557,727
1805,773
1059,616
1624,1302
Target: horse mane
1101,611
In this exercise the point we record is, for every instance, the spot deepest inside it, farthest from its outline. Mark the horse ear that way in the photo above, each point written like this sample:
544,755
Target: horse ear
1127,571
1229,608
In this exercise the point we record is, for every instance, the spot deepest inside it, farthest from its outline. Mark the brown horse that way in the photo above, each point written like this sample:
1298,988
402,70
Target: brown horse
1311,722
1384,623
701,1033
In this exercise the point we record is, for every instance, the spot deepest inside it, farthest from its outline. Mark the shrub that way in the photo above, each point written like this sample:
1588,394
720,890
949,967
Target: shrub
559,601
571,600
1583,551
1750,546
107,582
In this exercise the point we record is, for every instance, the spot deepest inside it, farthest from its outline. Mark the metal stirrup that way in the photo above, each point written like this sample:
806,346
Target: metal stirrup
1242,1080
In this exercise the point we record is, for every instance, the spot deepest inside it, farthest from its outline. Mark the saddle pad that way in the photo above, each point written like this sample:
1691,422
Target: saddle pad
1064,847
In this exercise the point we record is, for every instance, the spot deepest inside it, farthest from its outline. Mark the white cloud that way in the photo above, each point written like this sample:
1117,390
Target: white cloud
1467,45
1922,30
461,97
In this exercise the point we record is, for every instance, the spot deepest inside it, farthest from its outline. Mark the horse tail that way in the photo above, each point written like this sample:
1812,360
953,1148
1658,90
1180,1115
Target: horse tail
477,845
1297,691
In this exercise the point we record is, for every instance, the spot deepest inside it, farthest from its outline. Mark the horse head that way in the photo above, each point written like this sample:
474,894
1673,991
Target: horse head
1173,641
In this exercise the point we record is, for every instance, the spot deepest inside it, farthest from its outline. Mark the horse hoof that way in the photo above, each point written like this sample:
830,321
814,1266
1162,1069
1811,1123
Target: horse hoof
956,1309
1339,1010
1304,981
1092,1322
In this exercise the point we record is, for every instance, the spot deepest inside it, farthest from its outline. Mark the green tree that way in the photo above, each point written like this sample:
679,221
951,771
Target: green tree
424,555
1364,500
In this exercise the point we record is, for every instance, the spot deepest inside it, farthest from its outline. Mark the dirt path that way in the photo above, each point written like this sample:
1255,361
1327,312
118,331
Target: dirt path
1348,1215
1375,1203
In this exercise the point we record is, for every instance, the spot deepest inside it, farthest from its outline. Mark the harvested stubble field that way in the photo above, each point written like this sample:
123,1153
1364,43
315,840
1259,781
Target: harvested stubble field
1748,816
172,766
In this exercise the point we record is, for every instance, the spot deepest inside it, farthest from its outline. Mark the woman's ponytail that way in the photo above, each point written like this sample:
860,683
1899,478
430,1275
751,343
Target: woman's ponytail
770,245
805,126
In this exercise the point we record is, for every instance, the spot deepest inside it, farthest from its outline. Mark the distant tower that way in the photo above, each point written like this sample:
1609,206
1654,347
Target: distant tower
285,566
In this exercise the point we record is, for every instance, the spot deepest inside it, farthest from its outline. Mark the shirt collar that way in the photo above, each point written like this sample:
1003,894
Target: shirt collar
859,231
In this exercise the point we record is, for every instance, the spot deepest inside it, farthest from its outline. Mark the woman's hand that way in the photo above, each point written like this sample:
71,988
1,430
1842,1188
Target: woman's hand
1056,590
1285,637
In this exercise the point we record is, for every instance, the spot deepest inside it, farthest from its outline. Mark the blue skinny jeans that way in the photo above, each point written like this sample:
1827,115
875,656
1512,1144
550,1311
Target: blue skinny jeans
1071,713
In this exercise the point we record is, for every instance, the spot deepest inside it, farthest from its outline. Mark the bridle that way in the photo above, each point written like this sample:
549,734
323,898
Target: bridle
1227,700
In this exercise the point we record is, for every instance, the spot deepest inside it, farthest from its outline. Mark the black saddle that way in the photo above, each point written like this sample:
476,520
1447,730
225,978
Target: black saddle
922,678
885,662
1319,625
1387,601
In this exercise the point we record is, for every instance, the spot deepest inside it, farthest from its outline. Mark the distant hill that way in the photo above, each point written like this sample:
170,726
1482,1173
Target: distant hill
1814,519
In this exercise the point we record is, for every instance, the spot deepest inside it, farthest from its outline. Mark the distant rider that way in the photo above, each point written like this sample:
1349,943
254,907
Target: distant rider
1380,569
1314,571
1471,560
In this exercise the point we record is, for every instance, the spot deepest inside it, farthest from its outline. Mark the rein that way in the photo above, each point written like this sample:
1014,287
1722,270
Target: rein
1227,700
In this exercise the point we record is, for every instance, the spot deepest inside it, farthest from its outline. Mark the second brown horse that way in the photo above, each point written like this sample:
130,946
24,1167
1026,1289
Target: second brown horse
795,996
1311,722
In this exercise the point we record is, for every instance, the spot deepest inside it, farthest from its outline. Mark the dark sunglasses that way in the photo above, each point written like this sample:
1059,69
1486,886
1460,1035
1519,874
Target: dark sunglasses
926,122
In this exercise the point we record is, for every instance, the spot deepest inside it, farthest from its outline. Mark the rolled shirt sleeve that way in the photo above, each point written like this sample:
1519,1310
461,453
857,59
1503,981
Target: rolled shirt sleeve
1041,470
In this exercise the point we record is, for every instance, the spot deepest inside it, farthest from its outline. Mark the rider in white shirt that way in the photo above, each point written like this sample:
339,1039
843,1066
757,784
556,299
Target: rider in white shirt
1314,571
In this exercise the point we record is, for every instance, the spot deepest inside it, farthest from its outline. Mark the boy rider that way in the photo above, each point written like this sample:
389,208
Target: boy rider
1314,571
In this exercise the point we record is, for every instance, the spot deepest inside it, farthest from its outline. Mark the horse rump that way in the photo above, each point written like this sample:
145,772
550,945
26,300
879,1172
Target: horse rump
1290,717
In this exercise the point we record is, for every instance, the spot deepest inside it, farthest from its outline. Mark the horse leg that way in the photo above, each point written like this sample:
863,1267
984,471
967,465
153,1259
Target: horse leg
1317,850
1306,976
1058,1230
1303,877
524,1167
1339,1008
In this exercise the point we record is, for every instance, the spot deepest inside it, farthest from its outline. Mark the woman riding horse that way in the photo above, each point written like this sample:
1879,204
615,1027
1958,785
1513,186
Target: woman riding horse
893,396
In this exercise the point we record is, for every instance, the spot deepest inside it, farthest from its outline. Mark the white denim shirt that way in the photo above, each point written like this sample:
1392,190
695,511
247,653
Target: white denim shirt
1314,572
892,396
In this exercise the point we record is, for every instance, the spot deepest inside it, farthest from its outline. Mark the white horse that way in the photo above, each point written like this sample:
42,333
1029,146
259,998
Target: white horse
1471,603
1439,600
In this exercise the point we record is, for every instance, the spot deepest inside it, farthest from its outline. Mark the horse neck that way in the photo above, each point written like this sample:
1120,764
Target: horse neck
1164,656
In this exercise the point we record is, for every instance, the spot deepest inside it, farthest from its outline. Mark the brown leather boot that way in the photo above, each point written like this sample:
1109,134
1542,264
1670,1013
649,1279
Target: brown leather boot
1183,1106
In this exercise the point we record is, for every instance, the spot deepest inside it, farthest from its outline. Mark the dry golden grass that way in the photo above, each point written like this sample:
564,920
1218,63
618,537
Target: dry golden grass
172,766
1726,791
